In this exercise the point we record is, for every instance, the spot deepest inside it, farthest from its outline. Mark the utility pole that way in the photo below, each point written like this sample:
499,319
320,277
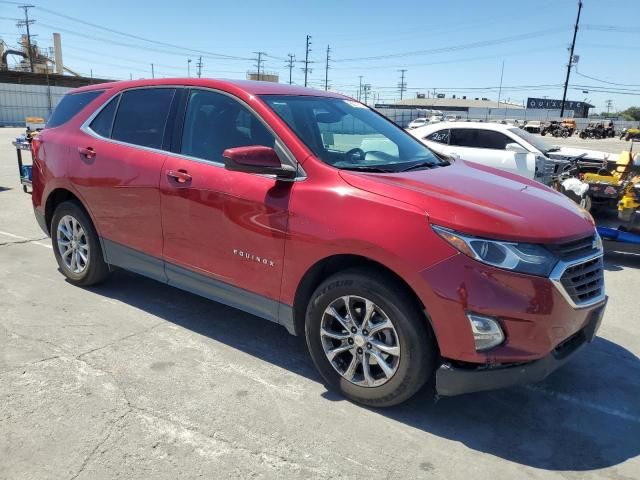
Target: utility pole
609,103
367,89
199,66
26,23
153,73
360,88
573,44
500,89
326,69
402,86
188,67
259,62
306,59
290,62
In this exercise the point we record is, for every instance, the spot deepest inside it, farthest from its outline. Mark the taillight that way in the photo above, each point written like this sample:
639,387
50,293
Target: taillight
35,147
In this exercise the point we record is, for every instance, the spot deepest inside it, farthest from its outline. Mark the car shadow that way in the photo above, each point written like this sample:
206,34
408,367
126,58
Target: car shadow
615,260
585,416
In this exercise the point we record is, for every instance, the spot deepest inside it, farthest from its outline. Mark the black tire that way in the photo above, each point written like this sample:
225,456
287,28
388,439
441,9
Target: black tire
417,345
96,270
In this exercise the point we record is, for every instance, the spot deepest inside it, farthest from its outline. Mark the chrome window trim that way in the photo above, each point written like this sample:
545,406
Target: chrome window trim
85,127
560,269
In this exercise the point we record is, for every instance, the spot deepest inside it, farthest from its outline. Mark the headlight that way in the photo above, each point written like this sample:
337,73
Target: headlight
520,257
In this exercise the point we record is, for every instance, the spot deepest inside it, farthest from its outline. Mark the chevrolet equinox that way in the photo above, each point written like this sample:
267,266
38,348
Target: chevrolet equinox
304,207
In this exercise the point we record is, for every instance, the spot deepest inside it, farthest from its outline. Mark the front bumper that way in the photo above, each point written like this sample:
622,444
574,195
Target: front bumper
455,380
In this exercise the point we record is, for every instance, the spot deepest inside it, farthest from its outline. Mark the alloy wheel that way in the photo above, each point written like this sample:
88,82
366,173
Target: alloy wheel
73,244
360,341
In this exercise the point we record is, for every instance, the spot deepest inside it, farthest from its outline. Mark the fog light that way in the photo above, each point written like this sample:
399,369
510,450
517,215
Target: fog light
486,331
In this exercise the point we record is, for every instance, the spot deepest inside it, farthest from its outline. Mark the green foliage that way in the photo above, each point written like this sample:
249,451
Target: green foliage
631,113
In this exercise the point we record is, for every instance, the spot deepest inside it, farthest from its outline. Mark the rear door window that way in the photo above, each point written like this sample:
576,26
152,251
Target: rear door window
70,105
464,137
103,122
439,136
142,116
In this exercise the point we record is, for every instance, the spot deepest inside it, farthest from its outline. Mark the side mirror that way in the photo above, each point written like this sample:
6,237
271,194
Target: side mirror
257,159
515,148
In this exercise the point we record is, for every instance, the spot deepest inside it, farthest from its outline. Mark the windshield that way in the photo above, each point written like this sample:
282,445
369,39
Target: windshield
537,142
350,136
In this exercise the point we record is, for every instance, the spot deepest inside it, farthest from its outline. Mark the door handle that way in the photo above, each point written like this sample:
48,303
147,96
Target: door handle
87,152
180,176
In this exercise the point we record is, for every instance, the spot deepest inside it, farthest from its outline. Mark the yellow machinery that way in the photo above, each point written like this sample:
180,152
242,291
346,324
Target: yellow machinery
617,184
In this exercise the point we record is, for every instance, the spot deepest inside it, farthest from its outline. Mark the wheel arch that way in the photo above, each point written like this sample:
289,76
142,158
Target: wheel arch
55,198
331,265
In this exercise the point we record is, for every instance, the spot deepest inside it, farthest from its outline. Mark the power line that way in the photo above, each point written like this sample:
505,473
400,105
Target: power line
466,46
606,81
84,22
571,58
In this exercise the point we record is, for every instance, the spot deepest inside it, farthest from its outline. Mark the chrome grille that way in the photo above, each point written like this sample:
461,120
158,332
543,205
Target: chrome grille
584,282
575,249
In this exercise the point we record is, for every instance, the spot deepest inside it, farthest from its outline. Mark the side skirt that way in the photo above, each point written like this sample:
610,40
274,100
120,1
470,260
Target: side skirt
197,283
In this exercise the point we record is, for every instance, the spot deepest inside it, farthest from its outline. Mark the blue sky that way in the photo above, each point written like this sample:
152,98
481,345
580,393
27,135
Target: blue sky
454,46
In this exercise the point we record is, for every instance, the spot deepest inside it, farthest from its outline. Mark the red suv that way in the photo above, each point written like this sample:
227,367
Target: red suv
311,210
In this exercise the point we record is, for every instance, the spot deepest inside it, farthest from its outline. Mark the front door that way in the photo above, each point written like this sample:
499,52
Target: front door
224,231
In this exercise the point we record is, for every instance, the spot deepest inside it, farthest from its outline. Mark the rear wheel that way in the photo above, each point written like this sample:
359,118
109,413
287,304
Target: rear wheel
368,338
76,245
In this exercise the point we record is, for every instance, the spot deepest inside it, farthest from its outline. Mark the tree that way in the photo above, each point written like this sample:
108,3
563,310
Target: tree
631,113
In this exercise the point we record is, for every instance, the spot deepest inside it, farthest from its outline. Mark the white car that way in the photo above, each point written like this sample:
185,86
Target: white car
500,146
418,122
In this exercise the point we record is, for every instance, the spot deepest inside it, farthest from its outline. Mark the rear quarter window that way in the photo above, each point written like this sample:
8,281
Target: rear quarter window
440,136
70,105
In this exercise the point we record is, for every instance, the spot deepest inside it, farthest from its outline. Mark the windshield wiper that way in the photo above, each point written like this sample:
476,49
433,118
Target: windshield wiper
552,149
362,168
416,166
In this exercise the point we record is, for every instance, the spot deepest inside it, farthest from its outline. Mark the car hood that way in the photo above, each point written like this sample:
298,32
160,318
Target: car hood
566,153
482,201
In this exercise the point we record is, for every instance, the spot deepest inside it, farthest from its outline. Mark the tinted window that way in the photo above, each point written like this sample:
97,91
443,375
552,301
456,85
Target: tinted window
477,138
142,116
70,105
440,136
492,139
104,120
214,122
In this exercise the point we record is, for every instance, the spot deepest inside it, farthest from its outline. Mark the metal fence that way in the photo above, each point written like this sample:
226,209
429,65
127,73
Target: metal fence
403,116
18,101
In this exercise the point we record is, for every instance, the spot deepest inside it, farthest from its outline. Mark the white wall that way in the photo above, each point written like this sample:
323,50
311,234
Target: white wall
18,101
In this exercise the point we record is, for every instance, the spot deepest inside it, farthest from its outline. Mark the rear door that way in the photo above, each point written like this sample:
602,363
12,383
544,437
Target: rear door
488,147
224,231
120,154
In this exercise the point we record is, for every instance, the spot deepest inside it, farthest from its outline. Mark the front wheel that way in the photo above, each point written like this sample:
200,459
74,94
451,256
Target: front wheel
369,339
76,245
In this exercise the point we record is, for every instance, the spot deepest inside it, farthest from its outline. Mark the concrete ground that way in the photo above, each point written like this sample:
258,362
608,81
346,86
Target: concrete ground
137,380
610,145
